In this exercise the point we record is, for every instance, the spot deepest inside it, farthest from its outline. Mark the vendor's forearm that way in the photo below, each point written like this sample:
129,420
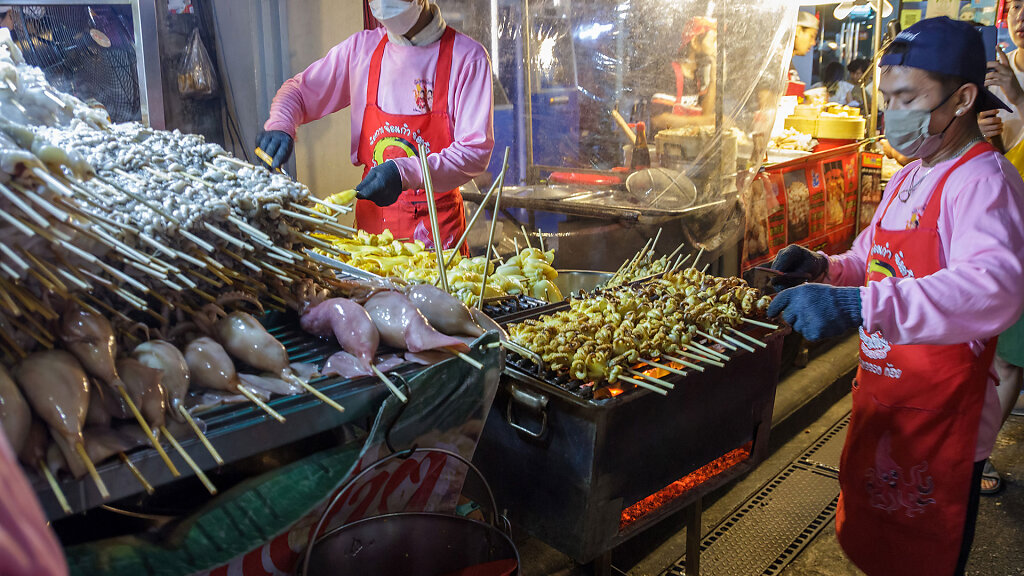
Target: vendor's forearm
319,90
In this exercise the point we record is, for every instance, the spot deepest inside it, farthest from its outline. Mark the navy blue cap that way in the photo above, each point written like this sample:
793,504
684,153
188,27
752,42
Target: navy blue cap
945,46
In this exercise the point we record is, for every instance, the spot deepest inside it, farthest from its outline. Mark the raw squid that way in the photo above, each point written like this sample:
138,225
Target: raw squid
401,325
145,382
487,323
102,443
165,356
247,340
15,416
55,385
90,337
351,325
210,365
443,311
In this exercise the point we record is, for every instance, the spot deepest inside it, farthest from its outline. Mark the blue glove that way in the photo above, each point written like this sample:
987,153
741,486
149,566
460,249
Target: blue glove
276,144
382,185
819,311
799,265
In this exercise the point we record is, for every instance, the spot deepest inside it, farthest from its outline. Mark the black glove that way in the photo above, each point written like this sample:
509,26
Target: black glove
818,310
799,265
382,185
276,144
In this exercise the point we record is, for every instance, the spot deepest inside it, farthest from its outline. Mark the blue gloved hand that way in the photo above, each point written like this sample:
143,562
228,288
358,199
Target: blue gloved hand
800,265
382,185
818,310
276,144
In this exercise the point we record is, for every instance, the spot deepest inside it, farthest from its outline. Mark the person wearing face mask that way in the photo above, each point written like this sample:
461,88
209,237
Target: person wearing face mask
416,80
928,285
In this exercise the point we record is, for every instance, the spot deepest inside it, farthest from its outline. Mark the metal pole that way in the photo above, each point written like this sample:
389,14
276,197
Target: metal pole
531,176
876,41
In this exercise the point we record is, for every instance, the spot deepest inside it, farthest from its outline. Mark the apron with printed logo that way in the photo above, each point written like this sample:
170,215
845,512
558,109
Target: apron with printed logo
387,136
905,472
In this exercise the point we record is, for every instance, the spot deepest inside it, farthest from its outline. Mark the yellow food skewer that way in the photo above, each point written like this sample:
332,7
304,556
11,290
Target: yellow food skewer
202,437
188,460
138,475
149,431
80,448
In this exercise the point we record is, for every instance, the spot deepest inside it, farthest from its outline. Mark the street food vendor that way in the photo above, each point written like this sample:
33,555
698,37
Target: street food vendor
416,80
928,284
805,38
694,72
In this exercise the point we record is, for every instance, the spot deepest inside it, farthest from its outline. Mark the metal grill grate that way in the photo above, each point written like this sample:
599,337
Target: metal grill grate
767,531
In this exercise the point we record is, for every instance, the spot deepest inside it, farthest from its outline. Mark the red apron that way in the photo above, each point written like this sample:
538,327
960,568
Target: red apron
906,467
386,136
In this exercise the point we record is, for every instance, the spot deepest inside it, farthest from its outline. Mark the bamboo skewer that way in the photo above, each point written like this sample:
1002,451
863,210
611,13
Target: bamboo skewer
705,268
321,396
737,343
480,209
759,323
649,378
428,187
490,236
696,357
335,207
713,353
80,448
526,237
719,341
465,358
260,403
699,254
202,437
748,337
676,251
189,461
642,384
62,500
391,385
135,472
680,361
149,431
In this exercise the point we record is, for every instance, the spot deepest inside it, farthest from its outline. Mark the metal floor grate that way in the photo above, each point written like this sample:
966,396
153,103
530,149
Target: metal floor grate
767,531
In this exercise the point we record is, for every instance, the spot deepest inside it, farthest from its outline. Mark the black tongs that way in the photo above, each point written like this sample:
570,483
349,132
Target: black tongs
763,277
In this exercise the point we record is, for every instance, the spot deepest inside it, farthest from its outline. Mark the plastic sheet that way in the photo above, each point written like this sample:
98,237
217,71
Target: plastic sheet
704,79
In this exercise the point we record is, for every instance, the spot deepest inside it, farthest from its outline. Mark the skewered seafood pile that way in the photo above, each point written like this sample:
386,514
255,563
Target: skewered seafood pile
97,398
528,272
105,215
601,337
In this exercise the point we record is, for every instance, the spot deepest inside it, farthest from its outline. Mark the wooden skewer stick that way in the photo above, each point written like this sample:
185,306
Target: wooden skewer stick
260,403
692,356
188,460
526,236
321,396
197,240
149,431
643,384
671,369
713,353
650,378
202,437
655,243
391,385
761,324
699,254
748,337
428,186
135,472
80,448
480,209
228,237
736,342
704,270
335,207
465,358
62,500
727,345
676,251
490,237
23,206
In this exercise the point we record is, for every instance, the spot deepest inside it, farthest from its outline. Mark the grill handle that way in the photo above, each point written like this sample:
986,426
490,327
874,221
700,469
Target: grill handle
530,401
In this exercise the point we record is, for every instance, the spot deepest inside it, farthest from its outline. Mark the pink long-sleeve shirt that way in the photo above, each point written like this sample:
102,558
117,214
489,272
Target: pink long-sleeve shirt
978,293
339,80
27,545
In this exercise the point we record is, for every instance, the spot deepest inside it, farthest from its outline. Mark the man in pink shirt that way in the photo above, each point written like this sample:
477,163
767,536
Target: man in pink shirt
415,81
928,285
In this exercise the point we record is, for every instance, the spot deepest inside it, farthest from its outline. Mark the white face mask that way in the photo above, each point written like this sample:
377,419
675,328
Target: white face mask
907,131
397,16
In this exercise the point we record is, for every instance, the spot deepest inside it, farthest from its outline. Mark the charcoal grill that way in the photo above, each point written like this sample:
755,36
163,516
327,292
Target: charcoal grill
585,473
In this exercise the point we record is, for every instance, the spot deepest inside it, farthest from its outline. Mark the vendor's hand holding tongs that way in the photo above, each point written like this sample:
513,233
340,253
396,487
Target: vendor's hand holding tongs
772,280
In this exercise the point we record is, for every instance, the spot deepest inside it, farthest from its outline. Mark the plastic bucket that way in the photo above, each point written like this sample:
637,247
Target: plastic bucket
412,543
